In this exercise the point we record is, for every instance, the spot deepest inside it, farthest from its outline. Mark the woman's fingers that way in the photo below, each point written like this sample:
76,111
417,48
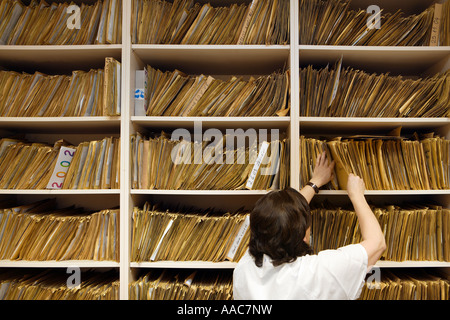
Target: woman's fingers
332,164
321,159
318,161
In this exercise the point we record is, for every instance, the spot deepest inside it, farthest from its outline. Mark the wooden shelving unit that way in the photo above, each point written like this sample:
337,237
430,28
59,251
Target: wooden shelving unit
215,60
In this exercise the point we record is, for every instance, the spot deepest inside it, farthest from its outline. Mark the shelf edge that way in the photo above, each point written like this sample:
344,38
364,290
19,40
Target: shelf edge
232,265
58,264
62,192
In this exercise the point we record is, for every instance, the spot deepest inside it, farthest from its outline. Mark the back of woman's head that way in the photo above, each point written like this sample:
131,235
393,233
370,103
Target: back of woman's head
278,224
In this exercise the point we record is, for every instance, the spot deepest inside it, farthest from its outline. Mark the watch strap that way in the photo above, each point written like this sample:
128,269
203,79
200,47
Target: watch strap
312,185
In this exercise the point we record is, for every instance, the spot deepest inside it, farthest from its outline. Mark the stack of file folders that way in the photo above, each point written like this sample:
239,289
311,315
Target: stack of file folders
182,285
201,235
412,232
25,165
42,232
60,24
174,93
92,93
159,162
346,92
52,285
417,284
332,22
189,22
383,162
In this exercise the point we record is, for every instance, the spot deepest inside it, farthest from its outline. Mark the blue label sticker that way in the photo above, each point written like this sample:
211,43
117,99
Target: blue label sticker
139,94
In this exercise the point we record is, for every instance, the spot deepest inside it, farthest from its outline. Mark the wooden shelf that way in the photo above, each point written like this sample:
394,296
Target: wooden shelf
263,192
212,122
372,123
61,124
201,192
412,264
232,265
58,264
185,264
60,192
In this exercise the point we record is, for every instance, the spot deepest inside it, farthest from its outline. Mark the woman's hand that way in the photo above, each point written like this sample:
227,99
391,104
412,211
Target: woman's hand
355,186
323,171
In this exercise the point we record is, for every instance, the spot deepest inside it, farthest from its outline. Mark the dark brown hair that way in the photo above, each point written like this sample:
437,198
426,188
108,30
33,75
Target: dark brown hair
278,225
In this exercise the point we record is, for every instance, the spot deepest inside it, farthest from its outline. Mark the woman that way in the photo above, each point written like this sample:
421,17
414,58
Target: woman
279,263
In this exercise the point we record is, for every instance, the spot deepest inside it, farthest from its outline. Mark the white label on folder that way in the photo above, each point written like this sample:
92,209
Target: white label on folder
435,29
152,258
199,93
247,20
238,239
62,166
190,278
259,159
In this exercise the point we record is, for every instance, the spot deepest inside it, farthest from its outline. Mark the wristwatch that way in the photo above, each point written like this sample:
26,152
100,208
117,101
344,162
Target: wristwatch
312,185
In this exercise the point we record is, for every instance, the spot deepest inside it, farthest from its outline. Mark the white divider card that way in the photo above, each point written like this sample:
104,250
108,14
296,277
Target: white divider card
152,258
62,166
238,239
437,19
259,159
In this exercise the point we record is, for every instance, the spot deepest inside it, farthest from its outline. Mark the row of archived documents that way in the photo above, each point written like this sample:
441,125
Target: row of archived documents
332,91
328,22
88,165
384,162
83,93
175,284
60,23
162,162
41,231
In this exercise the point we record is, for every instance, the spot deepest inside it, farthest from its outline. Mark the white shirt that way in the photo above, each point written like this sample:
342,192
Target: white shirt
331,274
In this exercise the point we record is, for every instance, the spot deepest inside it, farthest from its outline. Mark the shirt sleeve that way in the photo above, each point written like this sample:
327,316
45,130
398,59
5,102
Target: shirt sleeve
236,285
348,266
